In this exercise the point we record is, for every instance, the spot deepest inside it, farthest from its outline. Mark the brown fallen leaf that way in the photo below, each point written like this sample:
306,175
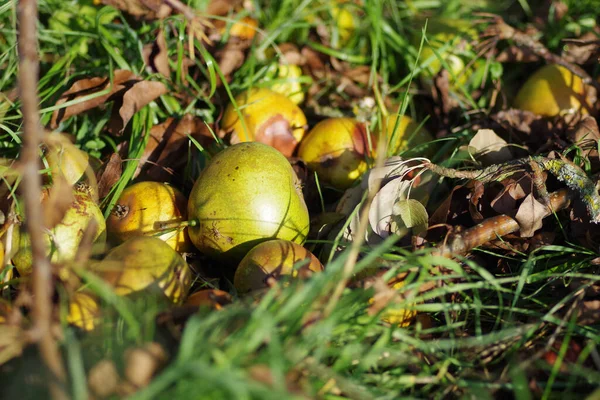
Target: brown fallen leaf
57,200
139,95
589,313
156,55
145,9
109,175
583,50
530,216
88,86
490,148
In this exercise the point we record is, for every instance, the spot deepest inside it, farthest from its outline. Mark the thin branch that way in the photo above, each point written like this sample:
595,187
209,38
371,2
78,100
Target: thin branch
32,132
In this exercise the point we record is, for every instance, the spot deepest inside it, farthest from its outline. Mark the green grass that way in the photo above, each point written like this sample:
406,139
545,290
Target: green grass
484,329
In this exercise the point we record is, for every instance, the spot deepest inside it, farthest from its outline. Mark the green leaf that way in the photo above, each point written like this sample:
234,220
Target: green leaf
409,213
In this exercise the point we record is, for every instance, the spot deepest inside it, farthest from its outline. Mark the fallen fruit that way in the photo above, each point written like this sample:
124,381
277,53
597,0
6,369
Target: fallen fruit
148,264
269,117
247,194
337,149
289,85
272,260
552,90
65,159
63,240
83,311
145,208
211,298
244,29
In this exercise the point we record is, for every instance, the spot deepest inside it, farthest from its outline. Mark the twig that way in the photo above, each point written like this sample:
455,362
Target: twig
493,228
32,131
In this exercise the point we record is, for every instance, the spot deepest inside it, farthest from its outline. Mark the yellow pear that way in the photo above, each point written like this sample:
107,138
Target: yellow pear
144,209
270,118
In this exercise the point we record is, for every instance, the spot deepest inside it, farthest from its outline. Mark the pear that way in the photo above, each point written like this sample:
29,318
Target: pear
247,194
408,135
144,209
552,90
273,259
62,241
269,117
64,159
337,149
211,298
83,311
147,264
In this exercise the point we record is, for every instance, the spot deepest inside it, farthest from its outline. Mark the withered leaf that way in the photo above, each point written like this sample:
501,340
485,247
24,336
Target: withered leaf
139,95
110,174
57,201
156,55
12,342
589,313
133,92
146,9
489,147
530,216
381,212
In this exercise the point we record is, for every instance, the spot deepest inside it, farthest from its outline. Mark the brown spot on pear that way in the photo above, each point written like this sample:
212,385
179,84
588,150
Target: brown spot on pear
272,260
150,209
246,195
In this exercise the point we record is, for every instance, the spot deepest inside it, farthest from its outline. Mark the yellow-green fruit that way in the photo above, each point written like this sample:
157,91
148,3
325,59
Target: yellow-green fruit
290,86
83,311
63,240
248,194
270,118
146,209
337,148
395,315
344,21
65,159
273,259
552,90
407,136
148,264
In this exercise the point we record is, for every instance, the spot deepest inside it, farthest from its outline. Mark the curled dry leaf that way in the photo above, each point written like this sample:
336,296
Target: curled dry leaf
144,9
156,55
109,175
131,90
57,200
489,147
167,147
583,50
530,216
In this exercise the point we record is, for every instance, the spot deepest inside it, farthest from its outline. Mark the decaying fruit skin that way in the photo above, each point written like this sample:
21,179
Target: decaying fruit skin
271,118
63,240
271,260
144,208
145,263
211,298
248,194
408,135
552,90
337,149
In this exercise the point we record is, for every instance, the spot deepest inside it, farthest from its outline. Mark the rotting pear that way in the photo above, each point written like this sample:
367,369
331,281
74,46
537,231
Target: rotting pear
247,194
273,259
337,149
147,264
270,118
63,240
146,208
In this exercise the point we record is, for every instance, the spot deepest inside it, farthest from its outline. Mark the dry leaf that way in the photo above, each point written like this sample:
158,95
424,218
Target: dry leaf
589,313
381,212
12,342
583,49
139,95
58,199
156,55
84,87
513,190
530,216
146,9
110,174
489,147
